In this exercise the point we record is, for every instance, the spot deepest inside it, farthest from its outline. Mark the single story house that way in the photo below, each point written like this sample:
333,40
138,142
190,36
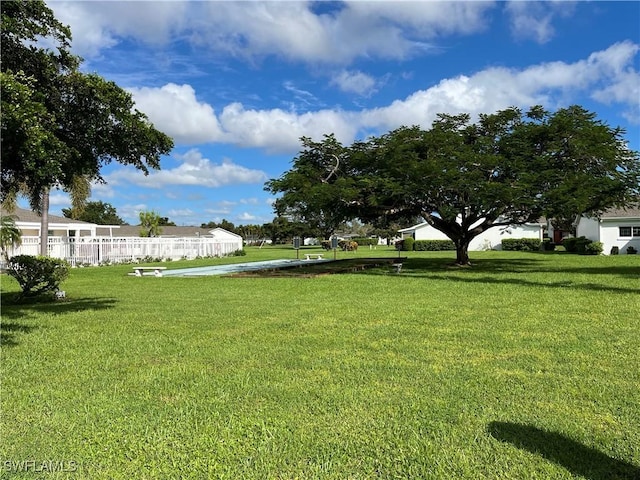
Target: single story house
614,228
490,239
88,243
29,224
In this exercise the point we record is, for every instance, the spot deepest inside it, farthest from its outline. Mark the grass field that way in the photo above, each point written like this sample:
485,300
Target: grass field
526,366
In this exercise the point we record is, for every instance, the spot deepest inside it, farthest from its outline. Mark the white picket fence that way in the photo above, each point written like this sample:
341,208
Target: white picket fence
99,250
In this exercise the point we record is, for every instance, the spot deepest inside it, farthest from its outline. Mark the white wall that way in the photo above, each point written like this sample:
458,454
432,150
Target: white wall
609,233
490,239
590,228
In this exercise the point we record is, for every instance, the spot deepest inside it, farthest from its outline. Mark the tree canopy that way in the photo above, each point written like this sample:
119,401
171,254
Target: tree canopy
98,212
463,178
318,189
58,123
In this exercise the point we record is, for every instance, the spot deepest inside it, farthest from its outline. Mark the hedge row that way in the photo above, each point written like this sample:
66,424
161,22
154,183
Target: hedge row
409,244
521,244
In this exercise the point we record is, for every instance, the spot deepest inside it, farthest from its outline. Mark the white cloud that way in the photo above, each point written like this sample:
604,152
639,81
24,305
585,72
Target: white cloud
246,217
278,131
256,29
354,82
194,170
131,213
59,199
98,25
607,75
175,110
535,19
180,213
602,74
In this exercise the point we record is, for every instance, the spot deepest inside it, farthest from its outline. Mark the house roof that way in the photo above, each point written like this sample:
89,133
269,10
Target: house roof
630,212
28,216
165,231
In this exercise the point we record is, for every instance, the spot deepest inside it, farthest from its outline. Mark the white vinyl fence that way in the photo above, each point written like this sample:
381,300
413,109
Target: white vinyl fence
97,250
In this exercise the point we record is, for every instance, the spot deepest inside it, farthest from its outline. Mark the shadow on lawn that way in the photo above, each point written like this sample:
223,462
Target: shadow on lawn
427,268
8,333
15,312
555,447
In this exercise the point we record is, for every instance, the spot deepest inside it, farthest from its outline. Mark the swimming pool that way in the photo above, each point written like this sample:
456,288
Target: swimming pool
237,267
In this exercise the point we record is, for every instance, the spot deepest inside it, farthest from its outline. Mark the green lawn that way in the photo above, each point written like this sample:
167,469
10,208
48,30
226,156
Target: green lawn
526,366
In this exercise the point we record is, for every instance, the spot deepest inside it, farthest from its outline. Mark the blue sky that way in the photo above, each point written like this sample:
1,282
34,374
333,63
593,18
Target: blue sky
236,84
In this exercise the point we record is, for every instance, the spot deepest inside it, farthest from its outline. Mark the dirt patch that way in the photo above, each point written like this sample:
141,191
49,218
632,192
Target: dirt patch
332,267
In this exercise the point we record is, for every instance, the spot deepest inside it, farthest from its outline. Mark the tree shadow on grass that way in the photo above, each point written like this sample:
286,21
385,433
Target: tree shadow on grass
8,332
15,314
555,447
426,268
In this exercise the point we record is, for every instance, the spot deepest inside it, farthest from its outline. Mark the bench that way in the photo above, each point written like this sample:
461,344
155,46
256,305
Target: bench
313,256
140,271
397,266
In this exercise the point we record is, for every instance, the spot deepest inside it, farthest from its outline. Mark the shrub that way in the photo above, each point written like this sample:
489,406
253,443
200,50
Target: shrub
433,245
569,244
614,250
521,244
407,244
326,244
548,245
593,248
631,251
37,275
582,246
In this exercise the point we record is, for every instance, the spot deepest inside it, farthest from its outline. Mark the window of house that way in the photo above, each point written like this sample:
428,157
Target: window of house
629,231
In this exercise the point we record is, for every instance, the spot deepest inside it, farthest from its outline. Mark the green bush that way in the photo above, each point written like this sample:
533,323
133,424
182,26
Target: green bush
582,246
631,251
615,250
407,244
548,245
593,248
521,244
569,244
433,245
38,275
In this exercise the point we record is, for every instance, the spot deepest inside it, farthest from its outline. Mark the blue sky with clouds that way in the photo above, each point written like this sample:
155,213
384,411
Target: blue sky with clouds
236,84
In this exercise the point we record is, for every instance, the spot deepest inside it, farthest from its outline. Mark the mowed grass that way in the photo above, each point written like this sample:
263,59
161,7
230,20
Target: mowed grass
526,366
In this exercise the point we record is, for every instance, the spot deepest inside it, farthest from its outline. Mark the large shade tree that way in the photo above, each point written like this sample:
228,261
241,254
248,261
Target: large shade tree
61,126
507,168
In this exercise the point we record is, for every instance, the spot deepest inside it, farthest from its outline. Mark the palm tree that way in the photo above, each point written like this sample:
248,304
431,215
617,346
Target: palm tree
150,224
10,235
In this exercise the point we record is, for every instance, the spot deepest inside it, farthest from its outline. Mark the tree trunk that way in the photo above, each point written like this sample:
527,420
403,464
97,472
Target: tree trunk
44,224
462,252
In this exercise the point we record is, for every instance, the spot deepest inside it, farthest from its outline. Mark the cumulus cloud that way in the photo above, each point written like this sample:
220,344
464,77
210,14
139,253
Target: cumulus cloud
279,131
608,76
98,25
194,170
175,110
